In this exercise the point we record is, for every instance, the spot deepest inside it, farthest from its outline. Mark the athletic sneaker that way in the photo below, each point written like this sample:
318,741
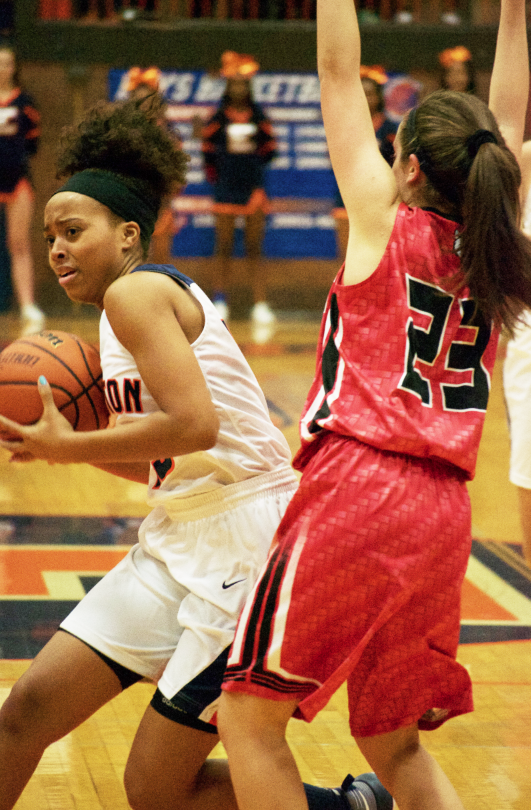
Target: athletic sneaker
32,320
366,792
262,314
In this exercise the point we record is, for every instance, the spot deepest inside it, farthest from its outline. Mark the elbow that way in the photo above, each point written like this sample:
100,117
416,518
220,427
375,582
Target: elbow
204,433
191,432
326,68
208,435
334,67
327,65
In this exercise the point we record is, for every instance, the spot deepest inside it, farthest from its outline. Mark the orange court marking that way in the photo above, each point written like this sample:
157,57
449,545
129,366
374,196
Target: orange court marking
21,567
476,604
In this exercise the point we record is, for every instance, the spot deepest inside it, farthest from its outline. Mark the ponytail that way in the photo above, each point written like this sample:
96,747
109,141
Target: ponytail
495,254
469,169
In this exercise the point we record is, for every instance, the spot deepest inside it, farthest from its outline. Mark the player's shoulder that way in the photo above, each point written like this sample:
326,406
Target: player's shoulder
411,218
165,270
138,302
138,288
426,235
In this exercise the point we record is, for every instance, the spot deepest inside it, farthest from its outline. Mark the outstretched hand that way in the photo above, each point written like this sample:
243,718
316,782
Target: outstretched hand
42,440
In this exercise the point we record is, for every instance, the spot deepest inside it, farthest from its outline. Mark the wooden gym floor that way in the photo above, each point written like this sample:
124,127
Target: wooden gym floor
62,527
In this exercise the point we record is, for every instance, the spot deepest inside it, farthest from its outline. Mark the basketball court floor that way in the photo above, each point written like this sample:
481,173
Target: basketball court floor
62,527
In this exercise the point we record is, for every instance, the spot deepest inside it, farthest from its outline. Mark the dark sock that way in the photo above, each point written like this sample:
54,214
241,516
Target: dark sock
320,798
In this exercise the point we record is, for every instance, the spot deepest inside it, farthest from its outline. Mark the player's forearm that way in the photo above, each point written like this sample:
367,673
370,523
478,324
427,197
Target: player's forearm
509,87
141,440
338,39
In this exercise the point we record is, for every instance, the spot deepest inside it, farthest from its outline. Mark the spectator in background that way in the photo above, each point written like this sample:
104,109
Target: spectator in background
238,144
142,83
457,70
373,80
19,138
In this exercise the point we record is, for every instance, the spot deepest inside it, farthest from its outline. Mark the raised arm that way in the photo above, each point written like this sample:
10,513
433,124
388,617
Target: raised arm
509,86
365,180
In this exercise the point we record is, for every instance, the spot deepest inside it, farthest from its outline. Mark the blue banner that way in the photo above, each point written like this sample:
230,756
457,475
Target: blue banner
299,181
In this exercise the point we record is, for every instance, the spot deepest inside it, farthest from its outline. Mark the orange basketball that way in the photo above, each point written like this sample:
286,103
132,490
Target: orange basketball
71,366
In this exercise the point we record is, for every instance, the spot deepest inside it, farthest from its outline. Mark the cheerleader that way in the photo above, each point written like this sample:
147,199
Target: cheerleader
238,144
19,138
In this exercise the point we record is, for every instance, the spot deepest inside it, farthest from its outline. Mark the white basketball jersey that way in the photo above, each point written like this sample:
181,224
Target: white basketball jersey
248,443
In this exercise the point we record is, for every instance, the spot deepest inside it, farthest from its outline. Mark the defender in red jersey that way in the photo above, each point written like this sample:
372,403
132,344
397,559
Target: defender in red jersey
364,582
405,363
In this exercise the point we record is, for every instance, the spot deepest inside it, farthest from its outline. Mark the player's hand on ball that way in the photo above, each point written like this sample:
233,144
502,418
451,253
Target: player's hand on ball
42,440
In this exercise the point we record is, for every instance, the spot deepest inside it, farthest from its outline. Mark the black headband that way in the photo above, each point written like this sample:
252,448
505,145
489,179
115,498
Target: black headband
109,189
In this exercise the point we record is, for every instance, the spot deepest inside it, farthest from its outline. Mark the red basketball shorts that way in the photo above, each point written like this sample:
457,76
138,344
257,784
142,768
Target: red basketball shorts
363,585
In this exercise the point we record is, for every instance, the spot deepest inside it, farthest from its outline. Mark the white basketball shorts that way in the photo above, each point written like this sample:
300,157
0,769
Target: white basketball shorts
169,619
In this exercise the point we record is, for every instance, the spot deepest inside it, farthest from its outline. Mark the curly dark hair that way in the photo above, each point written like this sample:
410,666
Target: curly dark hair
130,139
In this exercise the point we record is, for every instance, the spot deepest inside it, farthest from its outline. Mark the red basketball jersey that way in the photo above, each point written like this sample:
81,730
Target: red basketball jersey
404,364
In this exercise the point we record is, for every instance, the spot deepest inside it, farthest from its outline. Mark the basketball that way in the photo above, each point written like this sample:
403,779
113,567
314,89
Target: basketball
72,368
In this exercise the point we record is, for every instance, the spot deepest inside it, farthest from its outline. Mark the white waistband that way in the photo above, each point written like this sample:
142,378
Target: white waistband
226,497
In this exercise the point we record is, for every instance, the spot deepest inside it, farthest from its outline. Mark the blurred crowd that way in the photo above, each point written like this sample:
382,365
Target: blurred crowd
451,12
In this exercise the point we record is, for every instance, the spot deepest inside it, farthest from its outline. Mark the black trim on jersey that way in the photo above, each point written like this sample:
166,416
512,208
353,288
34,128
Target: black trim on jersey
266,598
254,617
270,606
251,667
443,216
329,364
269,680
165,270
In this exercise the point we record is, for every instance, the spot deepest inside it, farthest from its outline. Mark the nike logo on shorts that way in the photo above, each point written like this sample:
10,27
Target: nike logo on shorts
230,584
